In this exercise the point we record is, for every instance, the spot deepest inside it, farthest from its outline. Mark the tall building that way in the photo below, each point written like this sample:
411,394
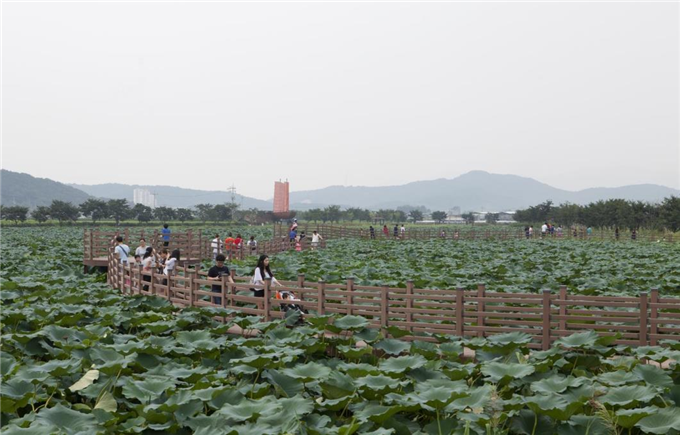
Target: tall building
281,197
144,197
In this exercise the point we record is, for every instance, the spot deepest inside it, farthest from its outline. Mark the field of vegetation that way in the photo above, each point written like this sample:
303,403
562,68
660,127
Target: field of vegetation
79,358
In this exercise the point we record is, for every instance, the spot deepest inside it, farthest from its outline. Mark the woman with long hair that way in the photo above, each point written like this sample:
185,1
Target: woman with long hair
148,264
262,271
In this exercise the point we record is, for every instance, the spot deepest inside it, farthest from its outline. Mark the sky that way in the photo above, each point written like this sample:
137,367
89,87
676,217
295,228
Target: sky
206,95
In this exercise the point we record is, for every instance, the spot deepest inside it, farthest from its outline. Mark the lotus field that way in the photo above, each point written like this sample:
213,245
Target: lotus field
79,358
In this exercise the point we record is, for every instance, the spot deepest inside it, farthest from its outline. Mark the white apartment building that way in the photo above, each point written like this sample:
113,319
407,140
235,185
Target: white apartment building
143,196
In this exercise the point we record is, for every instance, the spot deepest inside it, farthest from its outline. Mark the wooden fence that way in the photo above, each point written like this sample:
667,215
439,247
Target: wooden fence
640,320
193,245
472,232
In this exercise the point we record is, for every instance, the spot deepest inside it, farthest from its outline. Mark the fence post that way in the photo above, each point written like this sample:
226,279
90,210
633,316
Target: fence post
546,320
643,319
481,288
653,326
223,290
267,295
167,290
384,301
139,279
350,297
460,311
321,298
91,245
301,284
191,289
152,288
563,307
409,303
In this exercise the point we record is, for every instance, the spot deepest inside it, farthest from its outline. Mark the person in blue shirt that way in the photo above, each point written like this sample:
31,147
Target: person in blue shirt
166,235
292,235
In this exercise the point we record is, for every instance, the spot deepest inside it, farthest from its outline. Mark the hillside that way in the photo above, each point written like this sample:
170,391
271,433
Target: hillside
23,189
476,190
171,196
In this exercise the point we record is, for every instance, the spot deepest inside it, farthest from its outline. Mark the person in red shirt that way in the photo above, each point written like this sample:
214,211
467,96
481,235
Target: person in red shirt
229,243
237,241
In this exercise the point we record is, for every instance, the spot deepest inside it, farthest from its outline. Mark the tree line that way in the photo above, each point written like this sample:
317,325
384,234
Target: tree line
612,213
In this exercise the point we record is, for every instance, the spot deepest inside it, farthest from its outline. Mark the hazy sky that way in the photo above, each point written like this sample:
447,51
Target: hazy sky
204,95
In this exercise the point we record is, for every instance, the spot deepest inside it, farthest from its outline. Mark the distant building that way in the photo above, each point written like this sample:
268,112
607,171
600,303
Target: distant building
281,200
144,197
455,211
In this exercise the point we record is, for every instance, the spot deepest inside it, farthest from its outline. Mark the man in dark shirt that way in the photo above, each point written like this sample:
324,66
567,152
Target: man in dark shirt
216,273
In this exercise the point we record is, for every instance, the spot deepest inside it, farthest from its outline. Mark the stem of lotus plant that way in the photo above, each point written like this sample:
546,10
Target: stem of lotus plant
252,389
533,432
574,367
439,425
346,405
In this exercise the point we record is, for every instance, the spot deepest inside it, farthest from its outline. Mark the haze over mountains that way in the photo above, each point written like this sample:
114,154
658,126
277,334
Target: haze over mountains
473,191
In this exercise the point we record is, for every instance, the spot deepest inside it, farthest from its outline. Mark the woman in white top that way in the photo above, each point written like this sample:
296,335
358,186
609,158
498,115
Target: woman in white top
262,272
141,249
316,238
171,263
148,264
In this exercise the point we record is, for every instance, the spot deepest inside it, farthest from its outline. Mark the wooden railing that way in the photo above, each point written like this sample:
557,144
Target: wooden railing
471,232
193,245
638,320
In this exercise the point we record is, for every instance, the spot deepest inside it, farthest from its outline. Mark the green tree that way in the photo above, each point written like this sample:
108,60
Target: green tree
439,216
332,213
41,214
469,217
14,213
669,213
96,209
223,212
184,214
143,213
204,212
119,209
64,211
491,218
164,214
314,214
415,215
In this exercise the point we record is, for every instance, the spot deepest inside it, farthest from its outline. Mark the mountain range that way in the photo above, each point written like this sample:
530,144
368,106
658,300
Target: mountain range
473,191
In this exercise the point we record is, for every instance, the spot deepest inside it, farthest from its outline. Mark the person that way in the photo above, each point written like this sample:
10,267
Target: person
551,229
531,230
166,235
216,245
616,233
160,264
122,251
229,243
559,231
262,271
298,245
238,241
526,232
292,235
442,234
633,234
252,243
302,236
396,231
575,232
138,259
456,235
589,231
171,263
403,231
386,232
216,273
371,232
141,249
544,229
148,264
294,225
316,238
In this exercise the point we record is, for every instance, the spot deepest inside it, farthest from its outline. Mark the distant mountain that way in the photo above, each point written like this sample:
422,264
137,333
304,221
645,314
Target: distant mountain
476,190
25,190
170,196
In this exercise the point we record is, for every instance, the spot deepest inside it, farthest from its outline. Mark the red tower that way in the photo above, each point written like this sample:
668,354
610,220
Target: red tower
281,200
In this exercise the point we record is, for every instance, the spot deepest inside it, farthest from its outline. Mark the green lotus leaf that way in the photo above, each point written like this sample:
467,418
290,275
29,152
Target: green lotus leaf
653,375
628,394
478,398
351,323
402,363
556,385
377,413
247,409
147,389
67,420
392,346
584,424
354,352
289,385
629,417
619,377
497,372
579,340
552,405
663,422
378,383
107,402
528,422
308,372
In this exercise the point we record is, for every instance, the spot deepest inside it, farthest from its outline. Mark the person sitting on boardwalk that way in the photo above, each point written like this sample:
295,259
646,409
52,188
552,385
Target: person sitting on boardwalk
121,251
216,273
262,271
141,249
166,235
